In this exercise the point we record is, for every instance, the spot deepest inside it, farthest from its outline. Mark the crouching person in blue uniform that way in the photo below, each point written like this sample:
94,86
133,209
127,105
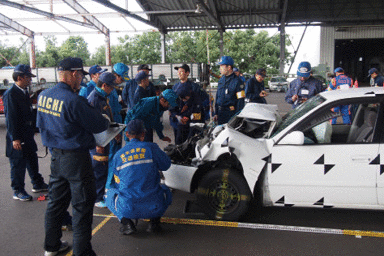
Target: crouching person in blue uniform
138,193
100,156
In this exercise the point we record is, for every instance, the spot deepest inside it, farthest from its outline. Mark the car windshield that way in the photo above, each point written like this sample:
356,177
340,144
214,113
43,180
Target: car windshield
278,79
295,114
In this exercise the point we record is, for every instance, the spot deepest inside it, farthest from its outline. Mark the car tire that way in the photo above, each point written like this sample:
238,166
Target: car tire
223,194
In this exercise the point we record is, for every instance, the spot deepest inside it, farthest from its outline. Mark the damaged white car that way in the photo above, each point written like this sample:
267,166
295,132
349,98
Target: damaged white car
300,159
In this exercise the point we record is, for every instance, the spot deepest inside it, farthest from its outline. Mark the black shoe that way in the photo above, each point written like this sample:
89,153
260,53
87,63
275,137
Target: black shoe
128,229
154,226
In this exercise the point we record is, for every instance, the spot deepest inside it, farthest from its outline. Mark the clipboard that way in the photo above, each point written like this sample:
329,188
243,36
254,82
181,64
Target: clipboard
103,138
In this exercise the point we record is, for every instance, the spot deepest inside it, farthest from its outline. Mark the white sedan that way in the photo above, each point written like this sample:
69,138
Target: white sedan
300,159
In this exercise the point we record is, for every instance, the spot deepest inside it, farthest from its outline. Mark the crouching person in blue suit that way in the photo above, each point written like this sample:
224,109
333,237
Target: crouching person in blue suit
138,193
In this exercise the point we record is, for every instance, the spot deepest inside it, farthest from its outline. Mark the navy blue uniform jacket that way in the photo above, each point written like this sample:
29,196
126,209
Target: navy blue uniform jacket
19,120
66,120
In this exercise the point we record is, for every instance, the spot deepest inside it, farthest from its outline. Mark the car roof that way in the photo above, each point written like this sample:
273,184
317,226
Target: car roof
364,92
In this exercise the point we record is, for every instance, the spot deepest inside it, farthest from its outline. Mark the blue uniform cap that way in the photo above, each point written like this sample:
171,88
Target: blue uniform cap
72,64
185,67
122,70
141,76
23,69
373,70
226,60
304,69
108,78
170,96
339,70
96,69
184,90
143,67
135,127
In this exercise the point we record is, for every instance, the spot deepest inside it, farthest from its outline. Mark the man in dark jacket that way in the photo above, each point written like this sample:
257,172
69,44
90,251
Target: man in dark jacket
254,88
20,143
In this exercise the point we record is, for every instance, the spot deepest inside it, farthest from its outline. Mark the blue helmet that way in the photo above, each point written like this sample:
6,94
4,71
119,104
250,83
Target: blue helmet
122,70
304,69
170,96
226,60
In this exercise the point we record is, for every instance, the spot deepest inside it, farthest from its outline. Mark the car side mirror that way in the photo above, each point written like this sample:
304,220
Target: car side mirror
294,138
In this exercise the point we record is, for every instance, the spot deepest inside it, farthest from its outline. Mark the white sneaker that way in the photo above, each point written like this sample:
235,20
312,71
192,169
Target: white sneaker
101,204
64,246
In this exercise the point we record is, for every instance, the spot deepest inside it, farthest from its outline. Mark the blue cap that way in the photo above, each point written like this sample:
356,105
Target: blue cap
143,67
135,127
373,70
122,70
235,70
108,78
71,64
141,76
23,69
304,69
184,90
96,69
339,70
170,96
226,60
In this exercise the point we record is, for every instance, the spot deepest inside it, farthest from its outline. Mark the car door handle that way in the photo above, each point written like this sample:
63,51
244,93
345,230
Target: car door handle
361,158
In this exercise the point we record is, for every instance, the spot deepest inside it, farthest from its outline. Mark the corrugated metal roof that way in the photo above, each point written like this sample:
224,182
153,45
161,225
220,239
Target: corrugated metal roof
177,15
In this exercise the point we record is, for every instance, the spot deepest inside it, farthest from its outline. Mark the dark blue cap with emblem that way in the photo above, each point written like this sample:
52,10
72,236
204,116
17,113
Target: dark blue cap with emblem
304,69
135,127
23,69
96,69
108,78
226,60
141,76
184,91
373,70
339,70
72,64
261,72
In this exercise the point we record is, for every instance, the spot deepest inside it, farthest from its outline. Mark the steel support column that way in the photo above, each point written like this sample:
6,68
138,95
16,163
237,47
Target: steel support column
282,49
163,50
221,42
108,60
32,53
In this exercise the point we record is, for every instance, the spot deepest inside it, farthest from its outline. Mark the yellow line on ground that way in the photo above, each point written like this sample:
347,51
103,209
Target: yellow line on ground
97,228
356,233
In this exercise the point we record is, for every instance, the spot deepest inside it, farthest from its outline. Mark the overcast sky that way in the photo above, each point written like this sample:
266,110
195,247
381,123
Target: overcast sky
309,49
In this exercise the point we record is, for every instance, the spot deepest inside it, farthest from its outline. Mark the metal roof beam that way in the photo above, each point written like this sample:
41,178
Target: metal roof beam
15,26
210,15
43,13
127,13
91,19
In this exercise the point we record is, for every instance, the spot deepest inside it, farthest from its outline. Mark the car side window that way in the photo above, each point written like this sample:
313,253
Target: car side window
328,126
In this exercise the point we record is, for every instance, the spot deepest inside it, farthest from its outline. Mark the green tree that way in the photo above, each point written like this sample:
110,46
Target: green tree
50,57
8,54
74,46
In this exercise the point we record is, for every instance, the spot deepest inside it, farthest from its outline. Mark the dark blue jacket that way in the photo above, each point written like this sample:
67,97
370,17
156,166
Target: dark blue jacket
303,89
149,111
19,121
228,90
66,120
378,81
140,93
139,193
129,92
253,89
98,100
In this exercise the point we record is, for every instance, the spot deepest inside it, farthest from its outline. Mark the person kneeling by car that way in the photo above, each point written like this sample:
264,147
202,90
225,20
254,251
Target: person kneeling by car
138,193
